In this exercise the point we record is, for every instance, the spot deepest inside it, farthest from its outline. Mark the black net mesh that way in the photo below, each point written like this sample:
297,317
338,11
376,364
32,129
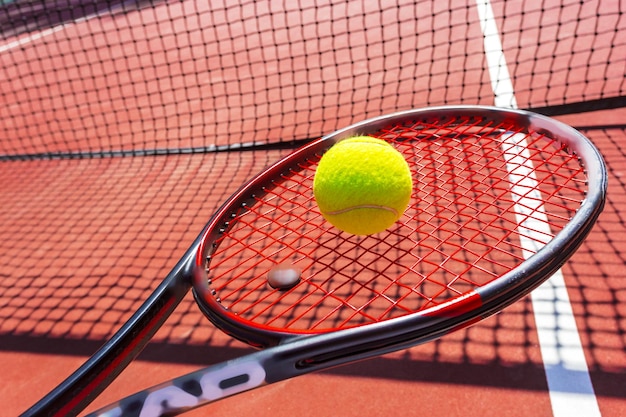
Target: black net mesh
97,77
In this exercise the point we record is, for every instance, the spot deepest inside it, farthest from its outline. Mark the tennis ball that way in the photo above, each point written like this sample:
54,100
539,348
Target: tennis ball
362,185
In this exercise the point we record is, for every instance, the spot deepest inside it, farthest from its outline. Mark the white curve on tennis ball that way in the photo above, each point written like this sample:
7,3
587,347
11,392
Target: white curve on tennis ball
284,276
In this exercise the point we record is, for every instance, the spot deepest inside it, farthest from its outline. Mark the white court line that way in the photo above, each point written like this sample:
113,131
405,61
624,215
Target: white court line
570,388
32,37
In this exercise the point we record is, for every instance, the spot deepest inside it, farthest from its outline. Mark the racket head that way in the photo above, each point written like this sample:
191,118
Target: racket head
501,199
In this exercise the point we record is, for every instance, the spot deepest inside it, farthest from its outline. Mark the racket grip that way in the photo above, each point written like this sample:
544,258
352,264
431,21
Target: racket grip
192,390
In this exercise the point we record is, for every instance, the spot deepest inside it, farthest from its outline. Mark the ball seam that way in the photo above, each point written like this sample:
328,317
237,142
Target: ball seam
366,206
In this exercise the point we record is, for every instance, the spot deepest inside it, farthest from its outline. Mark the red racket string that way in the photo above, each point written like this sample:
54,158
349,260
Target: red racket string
459,232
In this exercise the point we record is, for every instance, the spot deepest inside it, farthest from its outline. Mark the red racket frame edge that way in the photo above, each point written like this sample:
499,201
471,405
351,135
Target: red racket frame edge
294,354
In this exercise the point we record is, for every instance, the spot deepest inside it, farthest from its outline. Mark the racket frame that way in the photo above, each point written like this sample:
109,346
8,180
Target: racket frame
467,308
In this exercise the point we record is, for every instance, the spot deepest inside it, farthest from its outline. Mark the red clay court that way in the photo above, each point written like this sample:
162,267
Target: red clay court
126,124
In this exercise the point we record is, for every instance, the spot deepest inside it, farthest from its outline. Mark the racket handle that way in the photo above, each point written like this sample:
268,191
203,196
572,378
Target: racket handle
192,390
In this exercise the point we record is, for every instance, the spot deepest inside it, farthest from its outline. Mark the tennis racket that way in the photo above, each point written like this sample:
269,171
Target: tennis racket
501,199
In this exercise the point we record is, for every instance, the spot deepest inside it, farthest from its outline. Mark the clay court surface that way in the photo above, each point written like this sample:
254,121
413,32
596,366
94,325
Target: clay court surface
111,115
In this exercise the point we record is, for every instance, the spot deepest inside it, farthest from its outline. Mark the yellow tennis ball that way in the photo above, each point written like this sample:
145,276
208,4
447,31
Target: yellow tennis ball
362,185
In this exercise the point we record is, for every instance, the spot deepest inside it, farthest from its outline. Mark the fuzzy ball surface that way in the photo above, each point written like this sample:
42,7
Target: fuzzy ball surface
362,185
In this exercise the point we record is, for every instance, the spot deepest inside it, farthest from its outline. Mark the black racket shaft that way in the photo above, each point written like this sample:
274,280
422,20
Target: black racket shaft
86,383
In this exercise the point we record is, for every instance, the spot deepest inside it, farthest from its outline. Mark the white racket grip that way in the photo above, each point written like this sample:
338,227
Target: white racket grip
191,391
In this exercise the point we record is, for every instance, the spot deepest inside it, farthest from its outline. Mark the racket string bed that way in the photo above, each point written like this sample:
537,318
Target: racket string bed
460,232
